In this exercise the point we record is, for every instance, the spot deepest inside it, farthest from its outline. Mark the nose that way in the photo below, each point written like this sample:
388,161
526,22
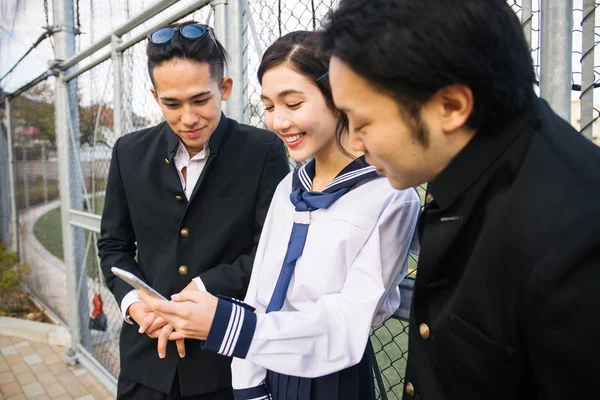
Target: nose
281,123
189,117
356,143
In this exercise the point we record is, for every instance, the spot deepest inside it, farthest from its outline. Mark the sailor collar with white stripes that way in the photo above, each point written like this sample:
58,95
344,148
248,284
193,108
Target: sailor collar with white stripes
355,169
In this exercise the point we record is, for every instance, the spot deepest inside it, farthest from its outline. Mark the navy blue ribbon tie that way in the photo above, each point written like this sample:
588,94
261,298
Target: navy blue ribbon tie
305,201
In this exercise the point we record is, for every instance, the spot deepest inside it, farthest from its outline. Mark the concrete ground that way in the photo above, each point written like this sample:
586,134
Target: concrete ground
34,370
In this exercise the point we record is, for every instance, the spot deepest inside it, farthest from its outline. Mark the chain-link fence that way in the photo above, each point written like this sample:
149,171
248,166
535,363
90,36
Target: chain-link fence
107,92
266,21
37,196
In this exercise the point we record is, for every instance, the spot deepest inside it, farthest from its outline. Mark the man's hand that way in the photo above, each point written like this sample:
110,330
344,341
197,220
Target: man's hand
190,312
149,322
155,327
163,338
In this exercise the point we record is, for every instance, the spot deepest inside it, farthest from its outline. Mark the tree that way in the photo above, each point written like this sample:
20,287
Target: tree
35,109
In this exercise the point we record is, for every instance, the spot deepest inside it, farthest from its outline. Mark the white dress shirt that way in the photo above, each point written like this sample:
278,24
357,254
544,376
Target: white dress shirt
346,280
195,166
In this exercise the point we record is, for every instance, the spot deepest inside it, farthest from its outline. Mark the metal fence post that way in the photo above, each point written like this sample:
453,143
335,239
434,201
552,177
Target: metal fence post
237,35
588,75
117,65
14,212
65,48
25,177
222,33
556,48
526,17
44,173
4,191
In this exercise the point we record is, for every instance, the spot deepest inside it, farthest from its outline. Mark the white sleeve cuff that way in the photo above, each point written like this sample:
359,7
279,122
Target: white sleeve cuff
200,284
129,299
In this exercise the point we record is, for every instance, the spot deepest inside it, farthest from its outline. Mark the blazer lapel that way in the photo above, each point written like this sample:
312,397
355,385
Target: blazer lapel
441,229
170,176
216,141
209,161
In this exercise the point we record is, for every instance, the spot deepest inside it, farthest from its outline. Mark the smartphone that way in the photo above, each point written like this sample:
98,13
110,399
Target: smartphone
136,282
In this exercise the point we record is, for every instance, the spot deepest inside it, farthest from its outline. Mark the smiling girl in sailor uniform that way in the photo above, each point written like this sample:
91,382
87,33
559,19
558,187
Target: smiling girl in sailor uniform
334,247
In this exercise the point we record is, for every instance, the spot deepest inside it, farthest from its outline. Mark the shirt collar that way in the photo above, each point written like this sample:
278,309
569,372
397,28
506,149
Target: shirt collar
478,156
182,157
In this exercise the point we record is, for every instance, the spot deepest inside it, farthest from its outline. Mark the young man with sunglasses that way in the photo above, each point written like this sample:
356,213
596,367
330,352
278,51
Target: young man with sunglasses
505,302
184,208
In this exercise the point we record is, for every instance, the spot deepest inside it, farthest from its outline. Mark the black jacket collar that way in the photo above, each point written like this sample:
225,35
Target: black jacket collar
479,155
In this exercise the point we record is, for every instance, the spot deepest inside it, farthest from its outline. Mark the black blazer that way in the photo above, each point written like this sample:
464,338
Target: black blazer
507,295
145,205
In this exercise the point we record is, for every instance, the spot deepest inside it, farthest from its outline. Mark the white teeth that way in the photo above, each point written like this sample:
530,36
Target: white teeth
291,139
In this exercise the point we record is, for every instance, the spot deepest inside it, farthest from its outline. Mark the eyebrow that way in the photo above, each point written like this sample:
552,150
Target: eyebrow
201,94
283,94
344,110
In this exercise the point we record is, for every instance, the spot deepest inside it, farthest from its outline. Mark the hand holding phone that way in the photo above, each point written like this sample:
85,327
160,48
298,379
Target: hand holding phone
136,282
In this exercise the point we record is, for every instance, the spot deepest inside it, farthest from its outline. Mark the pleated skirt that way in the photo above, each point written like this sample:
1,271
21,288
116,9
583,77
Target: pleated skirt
353,383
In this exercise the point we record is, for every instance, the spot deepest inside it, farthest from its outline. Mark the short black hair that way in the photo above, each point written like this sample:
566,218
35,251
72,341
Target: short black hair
206,49
299,50
411,49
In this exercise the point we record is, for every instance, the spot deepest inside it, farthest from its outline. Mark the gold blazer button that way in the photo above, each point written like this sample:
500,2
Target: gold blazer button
424,331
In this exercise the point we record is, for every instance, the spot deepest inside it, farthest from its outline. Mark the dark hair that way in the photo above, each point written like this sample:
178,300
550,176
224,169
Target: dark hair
411,49
299,50
206,49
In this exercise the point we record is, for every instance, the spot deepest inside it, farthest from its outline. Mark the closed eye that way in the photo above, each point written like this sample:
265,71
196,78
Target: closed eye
359,130
294,106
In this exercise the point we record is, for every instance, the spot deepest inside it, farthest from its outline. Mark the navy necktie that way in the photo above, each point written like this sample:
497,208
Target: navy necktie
304,200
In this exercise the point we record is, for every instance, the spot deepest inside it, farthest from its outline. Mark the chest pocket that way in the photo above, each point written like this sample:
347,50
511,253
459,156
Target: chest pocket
231,201
353,218
480,362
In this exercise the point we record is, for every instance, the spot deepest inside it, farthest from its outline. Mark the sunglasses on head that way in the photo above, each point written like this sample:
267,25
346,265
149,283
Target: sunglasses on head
191,31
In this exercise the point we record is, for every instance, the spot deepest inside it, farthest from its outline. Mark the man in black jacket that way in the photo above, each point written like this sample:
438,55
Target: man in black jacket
506,297
189,196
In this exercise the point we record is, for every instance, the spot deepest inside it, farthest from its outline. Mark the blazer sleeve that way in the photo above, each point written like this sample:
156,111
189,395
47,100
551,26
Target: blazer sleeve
117,243
562,306
232,279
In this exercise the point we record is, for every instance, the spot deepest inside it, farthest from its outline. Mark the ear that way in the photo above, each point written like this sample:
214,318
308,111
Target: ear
226,87
155,95
455,106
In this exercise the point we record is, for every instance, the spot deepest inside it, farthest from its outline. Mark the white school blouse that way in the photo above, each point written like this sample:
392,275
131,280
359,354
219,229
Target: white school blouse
346,280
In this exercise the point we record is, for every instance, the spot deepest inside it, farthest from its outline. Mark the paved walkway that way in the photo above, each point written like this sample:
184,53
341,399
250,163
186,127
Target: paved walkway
31,370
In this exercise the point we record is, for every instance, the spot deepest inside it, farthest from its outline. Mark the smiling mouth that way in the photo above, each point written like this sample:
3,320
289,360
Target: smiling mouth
194,133
293,138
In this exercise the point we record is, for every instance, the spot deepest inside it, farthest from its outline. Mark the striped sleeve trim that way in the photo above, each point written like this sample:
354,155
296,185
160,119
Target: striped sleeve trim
255,393
232,328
